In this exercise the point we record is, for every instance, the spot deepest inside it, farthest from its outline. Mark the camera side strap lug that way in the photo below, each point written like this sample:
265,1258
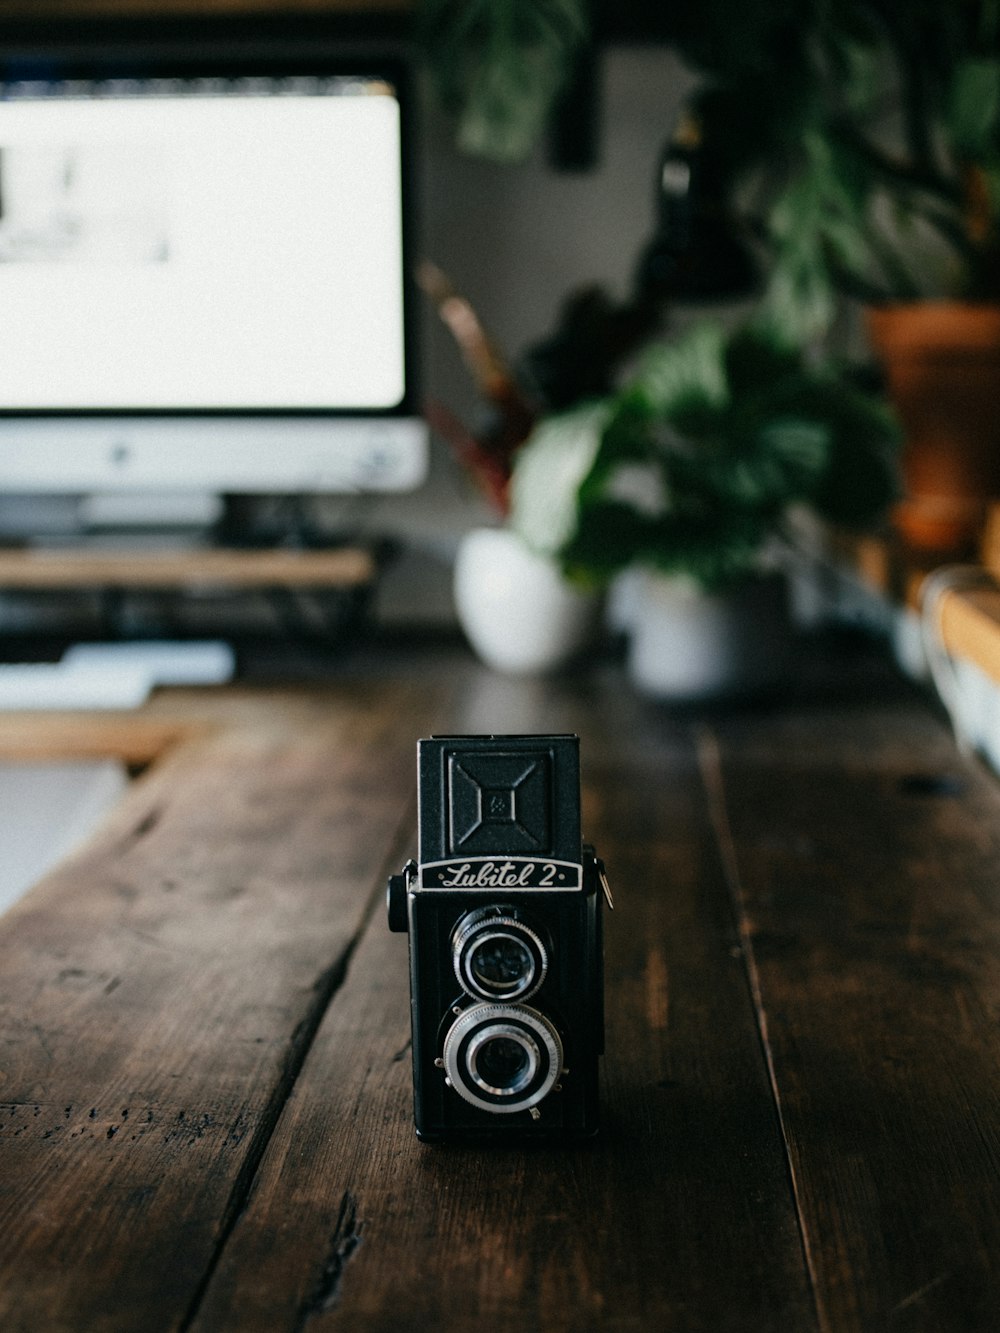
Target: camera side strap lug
605,886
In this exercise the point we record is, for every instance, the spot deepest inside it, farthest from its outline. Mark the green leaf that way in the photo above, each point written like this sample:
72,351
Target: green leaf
819,228
549,470
859,67
507,104
756,357
973,112
694,466
500,65
606,541
685,379
626,440
789,456
714,549
861,477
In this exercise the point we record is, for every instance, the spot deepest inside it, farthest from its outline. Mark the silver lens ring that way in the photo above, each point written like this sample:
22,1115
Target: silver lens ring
502,1057
498,957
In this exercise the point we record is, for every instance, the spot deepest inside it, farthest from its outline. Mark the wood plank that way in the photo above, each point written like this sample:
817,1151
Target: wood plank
967,610
189,967
158,991
864,854
969,626
55,568
154,9
134,738
680,1215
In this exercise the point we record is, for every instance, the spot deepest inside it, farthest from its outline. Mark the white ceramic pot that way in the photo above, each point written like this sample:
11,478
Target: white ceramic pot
517,610
687,644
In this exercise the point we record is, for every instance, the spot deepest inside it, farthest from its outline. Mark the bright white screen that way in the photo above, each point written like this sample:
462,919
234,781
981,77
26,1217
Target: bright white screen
202,251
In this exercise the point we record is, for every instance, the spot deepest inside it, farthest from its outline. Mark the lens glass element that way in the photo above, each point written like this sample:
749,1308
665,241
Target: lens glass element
502,1057
502,965
504,1064
498,956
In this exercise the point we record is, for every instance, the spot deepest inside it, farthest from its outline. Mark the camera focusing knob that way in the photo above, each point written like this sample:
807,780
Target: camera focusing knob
395,898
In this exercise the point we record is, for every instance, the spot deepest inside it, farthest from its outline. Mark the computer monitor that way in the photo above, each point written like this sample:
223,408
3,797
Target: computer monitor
204,280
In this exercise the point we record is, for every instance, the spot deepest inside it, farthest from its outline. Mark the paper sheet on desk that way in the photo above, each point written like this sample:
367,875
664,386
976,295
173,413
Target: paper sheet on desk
200,662
112,676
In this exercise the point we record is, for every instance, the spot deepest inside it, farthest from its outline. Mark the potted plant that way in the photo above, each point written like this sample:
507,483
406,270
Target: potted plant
889,191
518,611
500,66
693,472
871,169
861,142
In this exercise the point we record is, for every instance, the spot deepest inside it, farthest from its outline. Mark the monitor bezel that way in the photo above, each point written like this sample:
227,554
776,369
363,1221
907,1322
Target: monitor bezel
148,62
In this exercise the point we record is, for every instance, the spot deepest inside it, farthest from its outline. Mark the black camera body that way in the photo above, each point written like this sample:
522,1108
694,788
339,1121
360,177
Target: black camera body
503,910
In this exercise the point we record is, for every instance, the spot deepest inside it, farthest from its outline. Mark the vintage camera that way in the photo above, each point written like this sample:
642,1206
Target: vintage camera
503,908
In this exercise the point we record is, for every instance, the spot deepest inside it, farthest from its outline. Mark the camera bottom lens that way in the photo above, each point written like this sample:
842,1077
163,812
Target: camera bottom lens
502,1057
501,1063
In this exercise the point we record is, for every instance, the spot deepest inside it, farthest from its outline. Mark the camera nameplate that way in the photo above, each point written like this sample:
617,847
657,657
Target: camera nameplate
494,872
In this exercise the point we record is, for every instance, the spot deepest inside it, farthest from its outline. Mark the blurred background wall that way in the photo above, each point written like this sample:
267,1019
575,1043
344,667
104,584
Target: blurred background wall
516,240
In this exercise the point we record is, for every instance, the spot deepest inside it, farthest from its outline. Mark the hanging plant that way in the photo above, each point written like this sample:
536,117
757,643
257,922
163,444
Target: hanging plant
500,65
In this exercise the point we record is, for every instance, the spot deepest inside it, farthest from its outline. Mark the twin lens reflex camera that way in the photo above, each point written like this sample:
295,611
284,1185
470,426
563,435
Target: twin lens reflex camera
503,908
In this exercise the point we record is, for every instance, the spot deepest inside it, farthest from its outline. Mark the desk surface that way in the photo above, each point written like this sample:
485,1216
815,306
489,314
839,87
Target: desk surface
204,1072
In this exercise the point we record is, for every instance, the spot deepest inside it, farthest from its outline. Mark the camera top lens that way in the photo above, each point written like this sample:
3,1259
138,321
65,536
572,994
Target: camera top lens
500,963
497,956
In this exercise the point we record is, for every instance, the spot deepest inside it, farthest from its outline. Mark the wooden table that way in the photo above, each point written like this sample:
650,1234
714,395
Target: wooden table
204,1068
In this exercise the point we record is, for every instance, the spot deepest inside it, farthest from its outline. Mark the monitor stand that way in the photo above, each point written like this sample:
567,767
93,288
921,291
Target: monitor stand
177,518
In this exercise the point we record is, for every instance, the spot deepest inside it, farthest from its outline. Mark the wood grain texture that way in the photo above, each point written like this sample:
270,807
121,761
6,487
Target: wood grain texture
56,568
354,1225
864,855
205,1097
158,992
134,738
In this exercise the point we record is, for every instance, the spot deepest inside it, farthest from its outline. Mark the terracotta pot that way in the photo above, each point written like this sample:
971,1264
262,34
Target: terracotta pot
942,363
